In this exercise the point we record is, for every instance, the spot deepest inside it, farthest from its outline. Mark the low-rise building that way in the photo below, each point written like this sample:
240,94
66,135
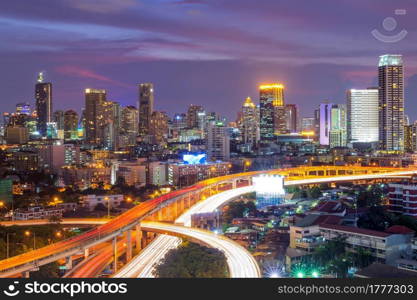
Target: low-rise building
91,201
403,199
180,174
34,213
386,247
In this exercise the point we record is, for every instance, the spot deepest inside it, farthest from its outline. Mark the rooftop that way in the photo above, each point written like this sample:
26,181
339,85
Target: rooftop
356,230
377,270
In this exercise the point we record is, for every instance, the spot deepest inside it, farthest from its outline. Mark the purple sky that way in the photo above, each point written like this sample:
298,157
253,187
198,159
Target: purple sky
210,52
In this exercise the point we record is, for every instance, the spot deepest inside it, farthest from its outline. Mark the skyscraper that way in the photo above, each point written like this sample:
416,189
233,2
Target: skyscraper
218,141
70,125
249,123
338,132
158,130
362,116
59,119
94,115
129,126
43,97
272,112
193,120
291,118
110,126
325,122
391,102
145,105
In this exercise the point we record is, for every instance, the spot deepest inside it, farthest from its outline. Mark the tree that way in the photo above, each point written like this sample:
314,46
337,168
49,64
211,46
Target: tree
376,219
362,258
238,209
191,260
370,197
314,192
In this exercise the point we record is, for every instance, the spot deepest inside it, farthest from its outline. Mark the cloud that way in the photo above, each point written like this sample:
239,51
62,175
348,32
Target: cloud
102,6
87,74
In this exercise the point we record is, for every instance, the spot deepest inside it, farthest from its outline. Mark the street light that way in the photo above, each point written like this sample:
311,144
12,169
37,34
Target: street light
108,206
58,234
28,233
7,243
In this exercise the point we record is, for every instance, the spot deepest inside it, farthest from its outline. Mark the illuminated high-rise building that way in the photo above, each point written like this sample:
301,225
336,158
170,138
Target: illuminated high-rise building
338,130
307,124
391,102
158,130
146,106
325,123
23,108
362,116
408,138
59,119
291,118
94,115
70,125
43,97
272,111
218,141
193,118
111,124
249,123
129,126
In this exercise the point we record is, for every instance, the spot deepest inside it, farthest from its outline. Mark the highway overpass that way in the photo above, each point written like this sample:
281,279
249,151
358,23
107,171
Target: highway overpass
168,207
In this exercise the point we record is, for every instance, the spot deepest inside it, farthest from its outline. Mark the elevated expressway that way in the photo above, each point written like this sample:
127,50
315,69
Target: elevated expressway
168,207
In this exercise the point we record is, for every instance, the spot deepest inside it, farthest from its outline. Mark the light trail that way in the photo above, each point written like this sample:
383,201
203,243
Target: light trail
34,259
143,264
241,263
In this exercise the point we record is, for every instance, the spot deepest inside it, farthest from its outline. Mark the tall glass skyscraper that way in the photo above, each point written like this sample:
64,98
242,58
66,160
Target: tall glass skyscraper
391,102
362,116
145,105
43,97
272,110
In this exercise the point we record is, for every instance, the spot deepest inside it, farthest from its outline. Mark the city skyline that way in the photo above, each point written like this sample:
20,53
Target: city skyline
118,54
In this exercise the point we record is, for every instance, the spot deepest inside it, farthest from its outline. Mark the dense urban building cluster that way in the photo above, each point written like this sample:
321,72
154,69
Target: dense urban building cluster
107,155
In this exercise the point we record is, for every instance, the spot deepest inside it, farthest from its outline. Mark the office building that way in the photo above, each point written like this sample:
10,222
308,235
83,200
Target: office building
193,116
307,124
338,130
129,126
391,102
218,141
158,128
43,97
272,110
291,118
17,135
325,123
362,116
94,115
146,106
70,125
249,123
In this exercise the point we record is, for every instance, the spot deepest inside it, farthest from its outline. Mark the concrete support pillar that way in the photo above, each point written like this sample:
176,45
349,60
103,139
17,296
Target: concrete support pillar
129,245
160,215
176,209
86,253
144,239
68,262
115,255
234,184
26,274
188,203
138,237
